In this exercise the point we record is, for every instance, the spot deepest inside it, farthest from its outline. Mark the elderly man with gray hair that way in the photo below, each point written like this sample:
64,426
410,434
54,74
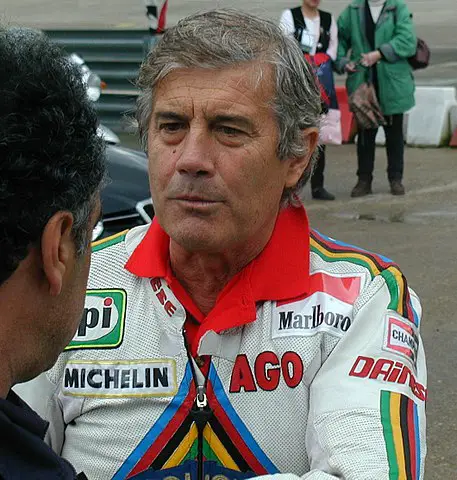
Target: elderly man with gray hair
228,340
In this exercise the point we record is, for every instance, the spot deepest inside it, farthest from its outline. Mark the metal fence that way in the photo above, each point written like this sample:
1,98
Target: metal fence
115,55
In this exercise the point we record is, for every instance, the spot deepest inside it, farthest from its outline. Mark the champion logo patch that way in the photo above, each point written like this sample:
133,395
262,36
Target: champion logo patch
401,338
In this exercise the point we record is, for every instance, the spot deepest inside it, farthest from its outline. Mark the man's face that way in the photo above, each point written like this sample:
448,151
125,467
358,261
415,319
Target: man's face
215,176
311,3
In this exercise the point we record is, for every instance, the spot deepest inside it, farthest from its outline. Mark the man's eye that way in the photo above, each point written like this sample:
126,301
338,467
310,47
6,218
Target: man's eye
170,127
230,131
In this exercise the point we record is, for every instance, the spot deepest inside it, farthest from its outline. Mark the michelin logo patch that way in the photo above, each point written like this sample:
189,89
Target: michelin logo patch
102,323
316,314
136,378
401,338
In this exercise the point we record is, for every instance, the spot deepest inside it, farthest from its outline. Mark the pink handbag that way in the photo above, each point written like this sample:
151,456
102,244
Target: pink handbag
330,131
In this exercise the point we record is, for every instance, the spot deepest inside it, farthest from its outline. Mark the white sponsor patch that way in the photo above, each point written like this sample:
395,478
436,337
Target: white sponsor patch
318,313
401,338
102,323
136,378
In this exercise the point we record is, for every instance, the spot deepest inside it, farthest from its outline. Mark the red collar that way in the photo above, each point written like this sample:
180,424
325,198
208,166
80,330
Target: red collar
279,273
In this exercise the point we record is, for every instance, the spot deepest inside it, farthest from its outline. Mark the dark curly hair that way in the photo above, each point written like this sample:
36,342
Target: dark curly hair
51,158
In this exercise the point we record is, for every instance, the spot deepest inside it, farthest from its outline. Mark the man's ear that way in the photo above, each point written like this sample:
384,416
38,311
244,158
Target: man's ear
298,164
57,250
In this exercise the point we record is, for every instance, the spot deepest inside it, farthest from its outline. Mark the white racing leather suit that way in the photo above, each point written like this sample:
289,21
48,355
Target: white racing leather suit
310,365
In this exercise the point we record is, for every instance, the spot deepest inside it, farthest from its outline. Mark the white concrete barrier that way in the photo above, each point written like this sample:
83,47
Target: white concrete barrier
429,121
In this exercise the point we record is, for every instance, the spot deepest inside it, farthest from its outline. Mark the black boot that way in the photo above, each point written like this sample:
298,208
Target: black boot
397,188
321,194
362,188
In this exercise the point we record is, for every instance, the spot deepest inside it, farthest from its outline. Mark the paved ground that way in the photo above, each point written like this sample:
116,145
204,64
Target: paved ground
419,231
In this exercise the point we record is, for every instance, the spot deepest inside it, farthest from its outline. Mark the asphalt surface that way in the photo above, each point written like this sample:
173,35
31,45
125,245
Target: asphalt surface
418,231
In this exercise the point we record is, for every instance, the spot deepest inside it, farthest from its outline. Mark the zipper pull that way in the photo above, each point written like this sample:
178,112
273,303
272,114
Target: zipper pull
201,401
201,412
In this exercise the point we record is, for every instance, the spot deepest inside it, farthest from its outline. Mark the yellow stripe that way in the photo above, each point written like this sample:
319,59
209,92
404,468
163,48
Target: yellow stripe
401,287
183,449
107,239
218,448
396,433
346,256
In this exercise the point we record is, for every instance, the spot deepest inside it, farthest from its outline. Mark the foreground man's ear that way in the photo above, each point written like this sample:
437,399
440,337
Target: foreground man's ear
57,250
299,164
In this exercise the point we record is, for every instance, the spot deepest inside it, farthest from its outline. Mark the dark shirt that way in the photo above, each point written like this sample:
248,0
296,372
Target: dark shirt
23,453
370,26
370,32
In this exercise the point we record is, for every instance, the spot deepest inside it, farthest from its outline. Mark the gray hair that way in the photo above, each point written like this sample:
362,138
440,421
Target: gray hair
223,38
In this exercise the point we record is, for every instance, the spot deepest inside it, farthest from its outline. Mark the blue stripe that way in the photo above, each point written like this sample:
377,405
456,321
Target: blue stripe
415,315
418,441
157,428
238,423
353,247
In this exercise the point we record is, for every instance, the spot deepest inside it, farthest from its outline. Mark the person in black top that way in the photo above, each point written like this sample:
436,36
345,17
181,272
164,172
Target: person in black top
316,32
51,168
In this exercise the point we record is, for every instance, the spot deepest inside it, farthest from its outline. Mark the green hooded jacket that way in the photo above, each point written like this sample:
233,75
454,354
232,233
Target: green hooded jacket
395,38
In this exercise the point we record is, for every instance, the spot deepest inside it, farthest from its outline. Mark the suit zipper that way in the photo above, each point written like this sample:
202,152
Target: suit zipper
200,412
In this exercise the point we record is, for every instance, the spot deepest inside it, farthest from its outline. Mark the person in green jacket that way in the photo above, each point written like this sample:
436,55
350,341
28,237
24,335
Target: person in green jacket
375,39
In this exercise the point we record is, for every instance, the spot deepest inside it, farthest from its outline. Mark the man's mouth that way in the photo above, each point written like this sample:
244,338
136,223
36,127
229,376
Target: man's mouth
195,198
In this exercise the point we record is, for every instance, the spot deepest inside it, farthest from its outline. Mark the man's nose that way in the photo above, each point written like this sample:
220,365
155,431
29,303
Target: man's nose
197,154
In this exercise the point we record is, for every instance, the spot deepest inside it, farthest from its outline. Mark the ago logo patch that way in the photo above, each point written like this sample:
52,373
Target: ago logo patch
102,323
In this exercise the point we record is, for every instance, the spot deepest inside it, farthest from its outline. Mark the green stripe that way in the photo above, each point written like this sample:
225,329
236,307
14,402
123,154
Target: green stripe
388,435
192,453
109,243
392,285
390,279
207,452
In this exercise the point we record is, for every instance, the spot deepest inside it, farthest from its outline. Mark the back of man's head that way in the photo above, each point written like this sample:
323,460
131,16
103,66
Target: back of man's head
51,158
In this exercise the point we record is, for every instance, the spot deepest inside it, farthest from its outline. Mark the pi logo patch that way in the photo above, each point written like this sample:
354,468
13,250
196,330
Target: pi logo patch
102,323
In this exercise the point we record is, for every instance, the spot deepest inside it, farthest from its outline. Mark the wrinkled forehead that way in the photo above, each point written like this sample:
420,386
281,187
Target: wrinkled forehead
249,85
